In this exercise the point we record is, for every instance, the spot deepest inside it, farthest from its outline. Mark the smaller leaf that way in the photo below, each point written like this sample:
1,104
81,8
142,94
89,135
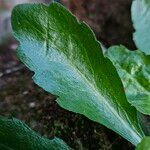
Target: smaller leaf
134,70
144,145
16,135
141,22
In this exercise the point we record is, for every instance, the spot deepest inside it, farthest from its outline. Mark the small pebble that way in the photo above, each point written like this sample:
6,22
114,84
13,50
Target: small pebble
25,92
32,104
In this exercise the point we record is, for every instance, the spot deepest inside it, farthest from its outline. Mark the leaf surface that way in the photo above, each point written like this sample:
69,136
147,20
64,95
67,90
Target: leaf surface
68,62
144,145
134,70
16,135
141,22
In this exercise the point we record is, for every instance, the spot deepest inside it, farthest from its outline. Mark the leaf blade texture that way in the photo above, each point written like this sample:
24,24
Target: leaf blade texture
68,62
144,145
16,135
134,70
140,11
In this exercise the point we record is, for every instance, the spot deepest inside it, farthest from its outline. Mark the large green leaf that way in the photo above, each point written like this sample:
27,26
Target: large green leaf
144,145
134,70
141,22
16,135
68,62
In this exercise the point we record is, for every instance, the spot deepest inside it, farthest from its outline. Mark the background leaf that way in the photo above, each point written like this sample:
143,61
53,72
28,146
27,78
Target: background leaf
134,70
68,62
144,121
141,22
144,145
16,135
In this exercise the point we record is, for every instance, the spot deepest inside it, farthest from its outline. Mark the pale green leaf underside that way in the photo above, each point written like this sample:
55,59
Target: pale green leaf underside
134,70
16,135
68,62
141,22
144,145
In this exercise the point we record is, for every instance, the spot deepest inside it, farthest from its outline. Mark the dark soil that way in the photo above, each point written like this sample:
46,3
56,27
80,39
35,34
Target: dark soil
21,98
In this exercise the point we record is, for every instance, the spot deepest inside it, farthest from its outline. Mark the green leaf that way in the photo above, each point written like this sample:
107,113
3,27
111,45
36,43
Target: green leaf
16,135
144,145
134,70
141,22
68,62
3,147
